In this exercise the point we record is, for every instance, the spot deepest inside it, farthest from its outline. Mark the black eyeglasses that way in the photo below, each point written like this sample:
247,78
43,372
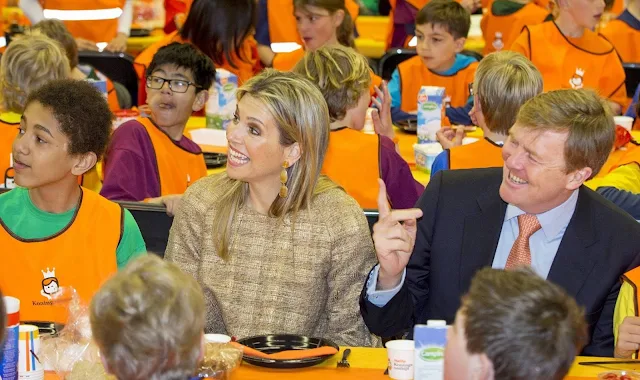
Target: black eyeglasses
176,85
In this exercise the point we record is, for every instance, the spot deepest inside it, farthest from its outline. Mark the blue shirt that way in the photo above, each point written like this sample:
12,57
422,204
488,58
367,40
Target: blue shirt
457,115
543,243
631,111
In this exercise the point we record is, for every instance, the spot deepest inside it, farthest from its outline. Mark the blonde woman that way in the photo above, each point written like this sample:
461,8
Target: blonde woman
28,63
343,77
281,248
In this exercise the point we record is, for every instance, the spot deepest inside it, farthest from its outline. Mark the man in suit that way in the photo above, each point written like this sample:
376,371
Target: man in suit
534,211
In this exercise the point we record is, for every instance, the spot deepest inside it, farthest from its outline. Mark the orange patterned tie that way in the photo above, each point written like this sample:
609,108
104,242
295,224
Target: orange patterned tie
520,254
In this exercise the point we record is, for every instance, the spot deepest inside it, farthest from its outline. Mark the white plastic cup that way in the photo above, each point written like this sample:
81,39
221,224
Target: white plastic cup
217,338
368,123
30,367
625,122
400,354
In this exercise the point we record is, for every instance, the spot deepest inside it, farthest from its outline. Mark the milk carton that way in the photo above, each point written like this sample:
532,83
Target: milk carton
222,100
430,106
430,340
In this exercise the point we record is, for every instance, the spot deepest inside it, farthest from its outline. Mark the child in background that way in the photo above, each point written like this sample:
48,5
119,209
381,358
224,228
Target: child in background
624,33
176,12
56,30
150,157
504,82
148,321
49,224
508,316
222,30
320,23
441,30
28,63
503,22
356,160
570,55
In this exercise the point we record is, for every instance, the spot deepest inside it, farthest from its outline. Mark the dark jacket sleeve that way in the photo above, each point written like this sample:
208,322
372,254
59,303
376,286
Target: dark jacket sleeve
406,308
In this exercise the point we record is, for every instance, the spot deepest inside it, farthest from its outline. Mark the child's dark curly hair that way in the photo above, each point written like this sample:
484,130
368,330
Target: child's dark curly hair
82,112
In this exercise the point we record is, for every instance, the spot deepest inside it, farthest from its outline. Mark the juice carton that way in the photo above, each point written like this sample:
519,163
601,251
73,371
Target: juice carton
430,106
430,340
222,100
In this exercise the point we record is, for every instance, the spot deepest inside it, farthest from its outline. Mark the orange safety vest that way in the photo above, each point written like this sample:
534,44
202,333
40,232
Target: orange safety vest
589,61
483,153
624,38
414,74
82,255
620,157
177,168
103,29
353,162
282,22
244,70
499,32
8,133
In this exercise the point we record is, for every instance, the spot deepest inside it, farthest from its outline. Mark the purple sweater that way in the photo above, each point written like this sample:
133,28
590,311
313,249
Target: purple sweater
130,167
402,190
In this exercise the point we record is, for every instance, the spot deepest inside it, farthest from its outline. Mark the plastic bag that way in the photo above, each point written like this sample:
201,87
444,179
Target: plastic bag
72,354
220,360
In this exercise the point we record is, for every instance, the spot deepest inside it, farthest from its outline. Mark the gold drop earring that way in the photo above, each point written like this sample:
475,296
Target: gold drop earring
283,180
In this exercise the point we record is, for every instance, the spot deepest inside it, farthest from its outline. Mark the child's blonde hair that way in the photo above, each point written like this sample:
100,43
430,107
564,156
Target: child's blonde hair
504,81
28,63
148,321
341,73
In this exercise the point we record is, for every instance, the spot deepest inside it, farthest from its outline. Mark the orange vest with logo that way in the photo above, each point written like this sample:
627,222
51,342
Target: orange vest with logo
589,61
177,167
414,74
499,32
83,256
282,22
8,133
480,154
353,162
103,30
624,38
244,70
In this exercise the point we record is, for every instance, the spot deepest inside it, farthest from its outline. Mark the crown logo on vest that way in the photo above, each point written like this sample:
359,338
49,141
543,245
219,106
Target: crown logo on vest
50,284
498,44
576,80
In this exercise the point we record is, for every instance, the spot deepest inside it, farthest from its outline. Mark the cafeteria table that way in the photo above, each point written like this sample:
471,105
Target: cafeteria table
369,364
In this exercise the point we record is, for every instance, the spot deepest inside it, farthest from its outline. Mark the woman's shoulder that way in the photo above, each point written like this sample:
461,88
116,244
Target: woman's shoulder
337,206
207,190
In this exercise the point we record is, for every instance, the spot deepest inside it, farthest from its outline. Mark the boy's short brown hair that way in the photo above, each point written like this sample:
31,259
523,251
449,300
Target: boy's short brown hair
449,14
82,112
584,115
503,82
529,328
56,30
341,73
148,321
28,63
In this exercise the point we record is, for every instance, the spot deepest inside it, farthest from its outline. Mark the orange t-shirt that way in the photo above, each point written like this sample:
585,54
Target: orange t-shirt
83,256
414,74
499,32
92,30
624,36
564,62
359,178
244,69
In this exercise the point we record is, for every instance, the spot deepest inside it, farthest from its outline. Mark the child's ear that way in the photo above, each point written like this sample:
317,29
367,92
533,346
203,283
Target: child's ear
338,18
201,100
459,43
84,163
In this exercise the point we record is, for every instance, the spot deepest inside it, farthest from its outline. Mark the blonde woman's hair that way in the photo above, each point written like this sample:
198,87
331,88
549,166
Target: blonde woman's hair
583,115
29,62
148,321
341,73
300,113
504,81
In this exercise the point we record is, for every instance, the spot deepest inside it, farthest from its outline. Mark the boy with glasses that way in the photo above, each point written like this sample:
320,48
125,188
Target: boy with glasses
150,159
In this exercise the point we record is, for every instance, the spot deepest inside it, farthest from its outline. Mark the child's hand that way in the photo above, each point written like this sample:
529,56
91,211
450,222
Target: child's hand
86,45
172,202
118,43
449,137
471,5
628,338
382,123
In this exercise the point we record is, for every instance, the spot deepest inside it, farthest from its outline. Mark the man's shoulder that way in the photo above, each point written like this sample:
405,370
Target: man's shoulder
465,179
606,215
